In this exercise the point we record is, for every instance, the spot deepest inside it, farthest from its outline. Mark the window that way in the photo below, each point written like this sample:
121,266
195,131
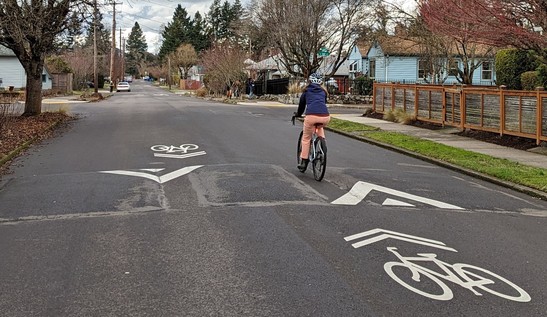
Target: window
486,71
422,69
372,68
353,67
44,78
453,68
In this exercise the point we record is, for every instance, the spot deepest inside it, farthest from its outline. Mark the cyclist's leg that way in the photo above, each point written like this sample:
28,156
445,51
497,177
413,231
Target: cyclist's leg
324,121
308,129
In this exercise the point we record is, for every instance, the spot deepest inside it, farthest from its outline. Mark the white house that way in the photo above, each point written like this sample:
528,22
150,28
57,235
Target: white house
13,74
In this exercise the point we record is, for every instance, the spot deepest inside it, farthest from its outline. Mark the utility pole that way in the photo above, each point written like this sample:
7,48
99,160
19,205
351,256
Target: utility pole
95,75
113,48
123,55
122,74
169,72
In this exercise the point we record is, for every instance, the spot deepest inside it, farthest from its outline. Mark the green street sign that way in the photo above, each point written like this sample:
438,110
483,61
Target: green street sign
323,52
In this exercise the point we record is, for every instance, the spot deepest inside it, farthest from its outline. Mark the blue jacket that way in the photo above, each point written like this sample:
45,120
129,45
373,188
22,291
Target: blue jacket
313,100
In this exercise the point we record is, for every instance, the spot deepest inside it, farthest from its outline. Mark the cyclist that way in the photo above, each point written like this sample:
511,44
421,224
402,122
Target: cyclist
314,102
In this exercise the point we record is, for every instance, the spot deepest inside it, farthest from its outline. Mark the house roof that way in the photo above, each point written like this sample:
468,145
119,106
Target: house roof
400,46
269,63
393,45
4,51
363,46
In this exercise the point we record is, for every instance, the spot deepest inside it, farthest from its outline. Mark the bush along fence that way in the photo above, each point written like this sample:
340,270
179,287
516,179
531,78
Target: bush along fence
511,112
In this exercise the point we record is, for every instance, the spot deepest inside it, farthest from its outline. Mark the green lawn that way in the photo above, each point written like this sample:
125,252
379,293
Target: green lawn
500,168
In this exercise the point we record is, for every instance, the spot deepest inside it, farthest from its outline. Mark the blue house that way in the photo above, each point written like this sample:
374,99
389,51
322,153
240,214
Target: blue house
12,73
358,60
396,59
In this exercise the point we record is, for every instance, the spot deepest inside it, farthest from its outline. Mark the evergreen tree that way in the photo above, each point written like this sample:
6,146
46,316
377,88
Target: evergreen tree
67,39
214,19
177,32
198,36
136,47
223,20
103,36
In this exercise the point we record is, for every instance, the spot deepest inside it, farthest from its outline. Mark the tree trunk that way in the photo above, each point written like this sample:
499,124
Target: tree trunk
33,98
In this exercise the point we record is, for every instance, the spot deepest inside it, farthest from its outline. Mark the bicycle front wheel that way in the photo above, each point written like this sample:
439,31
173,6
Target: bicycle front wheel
491,283
320,161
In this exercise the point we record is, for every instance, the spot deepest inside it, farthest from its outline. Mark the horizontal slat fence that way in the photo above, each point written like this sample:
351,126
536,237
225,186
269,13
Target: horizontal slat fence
519,113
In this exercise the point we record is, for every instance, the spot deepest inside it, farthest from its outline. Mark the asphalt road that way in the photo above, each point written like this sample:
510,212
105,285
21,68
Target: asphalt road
153,204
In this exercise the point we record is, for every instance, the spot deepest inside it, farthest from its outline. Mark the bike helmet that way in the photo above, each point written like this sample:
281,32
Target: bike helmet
315,78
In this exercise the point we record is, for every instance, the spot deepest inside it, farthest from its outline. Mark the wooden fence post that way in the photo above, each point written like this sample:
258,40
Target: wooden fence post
502,109
416,101
462,109
539,113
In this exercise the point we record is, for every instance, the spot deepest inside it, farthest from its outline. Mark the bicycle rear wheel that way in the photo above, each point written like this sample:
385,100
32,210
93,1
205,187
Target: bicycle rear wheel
320,161
299,149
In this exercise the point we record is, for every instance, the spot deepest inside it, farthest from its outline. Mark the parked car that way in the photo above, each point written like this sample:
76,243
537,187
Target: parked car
332,82
123,86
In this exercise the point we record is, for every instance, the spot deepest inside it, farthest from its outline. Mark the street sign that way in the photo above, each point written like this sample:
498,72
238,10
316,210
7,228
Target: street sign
323,52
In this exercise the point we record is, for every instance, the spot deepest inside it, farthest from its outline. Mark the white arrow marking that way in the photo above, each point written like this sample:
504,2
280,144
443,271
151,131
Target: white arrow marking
395,235
393,202
180,156
160,179
361,189
153,170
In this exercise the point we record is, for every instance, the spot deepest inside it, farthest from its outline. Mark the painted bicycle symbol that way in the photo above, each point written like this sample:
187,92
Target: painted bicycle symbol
183,148
465,275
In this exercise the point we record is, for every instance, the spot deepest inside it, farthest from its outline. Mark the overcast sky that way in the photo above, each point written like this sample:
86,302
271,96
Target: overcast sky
151,14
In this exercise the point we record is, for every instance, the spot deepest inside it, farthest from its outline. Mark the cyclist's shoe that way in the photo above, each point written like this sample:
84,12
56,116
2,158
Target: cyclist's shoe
303,165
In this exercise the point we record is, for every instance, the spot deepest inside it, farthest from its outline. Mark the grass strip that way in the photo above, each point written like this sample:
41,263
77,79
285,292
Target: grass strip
503,169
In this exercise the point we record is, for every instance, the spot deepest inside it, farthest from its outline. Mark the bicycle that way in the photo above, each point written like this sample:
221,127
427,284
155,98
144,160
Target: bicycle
318,152
184,148
465,275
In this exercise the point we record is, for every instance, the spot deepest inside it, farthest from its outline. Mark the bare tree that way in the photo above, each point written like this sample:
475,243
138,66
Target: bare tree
29,29
437,17
518,23
79,61
184,58
224,64
299,29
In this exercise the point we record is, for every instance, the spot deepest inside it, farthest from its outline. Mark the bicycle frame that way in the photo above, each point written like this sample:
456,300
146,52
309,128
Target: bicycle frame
450,276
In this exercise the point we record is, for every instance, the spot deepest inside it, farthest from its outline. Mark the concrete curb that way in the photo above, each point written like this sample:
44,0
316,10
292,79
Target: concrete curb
520,188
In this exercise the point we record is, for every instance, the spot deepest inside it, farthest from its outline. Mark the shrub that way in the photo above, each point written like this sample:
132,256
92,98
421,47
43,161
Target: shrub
542,75
529,80
363,85
202,92
403,117
390,116
295,88
510,64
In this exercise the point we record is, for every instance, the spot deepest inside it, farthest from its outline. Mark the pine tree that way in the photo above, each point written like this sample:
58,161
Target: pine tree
223,19
103,36
198,36
67,39
136,47
176,32
214,19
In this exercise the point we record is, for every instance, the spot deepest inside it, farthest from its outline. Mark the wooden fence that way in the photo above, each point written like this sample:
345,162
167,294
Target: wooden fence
512,112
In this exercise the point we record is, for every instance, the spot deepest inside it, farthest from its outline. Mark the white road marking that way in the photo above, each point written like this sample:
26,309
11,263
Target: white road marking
159,179
180,156
395,235
153,170
361,189
393,202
